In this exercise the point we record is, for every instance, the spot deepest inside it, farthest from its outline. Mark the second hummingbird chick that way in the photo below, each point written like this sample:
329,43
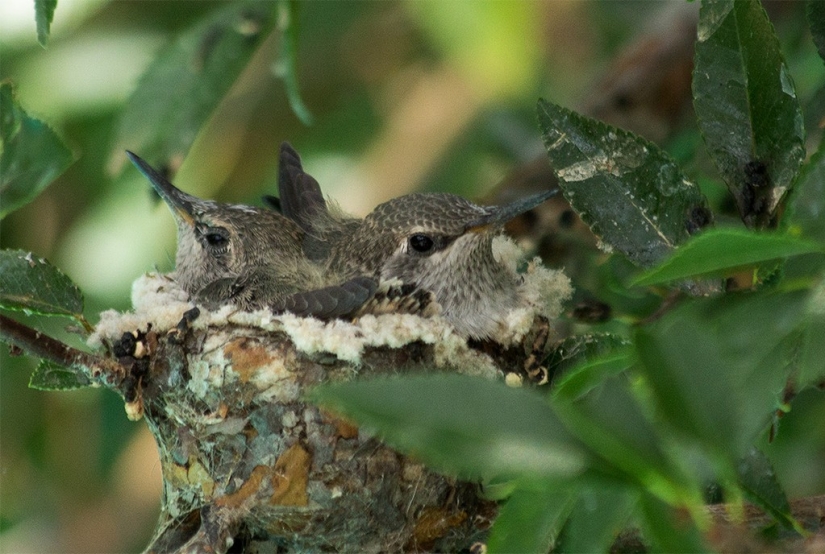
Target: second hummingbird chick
251,257
440,242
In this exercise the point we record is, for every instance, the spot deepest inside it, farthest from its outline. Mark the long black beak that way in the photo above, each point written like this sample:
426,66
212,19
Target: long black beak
181,204
499,215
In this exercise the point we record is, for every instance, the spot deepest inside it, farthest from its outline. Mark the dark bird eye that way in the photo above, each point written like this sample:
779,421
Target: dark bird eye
421,243
216,239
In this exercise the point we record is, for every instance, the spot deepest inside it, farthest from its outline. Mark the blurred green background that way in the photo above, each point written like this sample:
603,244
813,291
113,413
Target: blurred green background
405,95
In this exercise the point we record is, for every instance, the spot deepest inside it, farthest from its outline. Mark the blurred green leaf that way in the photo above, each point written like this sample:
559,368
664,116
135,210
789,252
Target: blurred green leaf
626,303
33,285
807,207
717,367
812,358
668,529
761,486
805,216
43,14
530,519
812,364
187,81
746,106
596,519
590,372
816,20
287,65
31,154
631,193
580,348
611,422
499,487
49,376
723,252
468,426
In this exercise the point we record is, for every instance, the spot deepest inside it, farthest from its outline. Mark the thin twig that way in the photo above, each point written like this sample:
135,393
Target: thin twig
106,371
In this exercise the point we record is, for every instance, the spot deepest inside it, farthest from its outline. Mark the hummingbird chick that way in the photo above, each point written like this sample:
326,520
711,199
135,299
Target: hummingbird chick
439,242
251,257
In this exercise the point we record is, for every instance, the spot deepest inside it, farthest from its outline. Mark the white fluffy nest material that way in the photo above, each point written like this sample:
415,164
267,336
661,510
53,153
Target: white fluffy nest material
157,299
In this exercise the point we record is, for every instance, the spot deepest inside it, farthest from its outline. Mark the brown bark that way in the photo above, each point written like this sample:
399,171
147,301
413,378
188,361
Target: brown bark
98,368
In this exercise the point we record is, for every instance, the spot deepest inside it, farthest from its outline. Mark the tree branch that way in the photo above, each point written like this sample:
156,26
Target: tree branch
106,371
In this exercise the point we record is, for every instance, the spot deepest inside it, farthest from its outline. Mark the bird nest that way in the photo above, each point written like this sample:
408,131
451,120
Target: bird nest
245,458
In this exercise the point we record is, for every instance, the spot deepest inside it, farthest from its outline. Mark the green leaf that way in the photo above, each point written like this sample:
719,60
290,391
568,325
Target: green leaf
668,529
581,348
33,285
808,202
590,373
596,519
626,303
287,65
804,216
761,486
722,252
187,81
717,367
812,365
611,422
816,20
746,106
31,154
49,376
631,193
530,519
468,426
43,14
812,358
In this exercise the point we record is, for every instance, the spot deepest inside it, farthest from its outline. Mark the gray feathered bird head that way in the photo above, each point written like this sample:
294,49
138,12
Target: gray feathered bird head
217,240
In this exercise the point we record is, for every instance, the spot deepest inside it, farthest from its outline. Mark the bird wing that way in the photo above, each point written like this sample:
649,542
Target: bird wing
272,202
330,302
300,194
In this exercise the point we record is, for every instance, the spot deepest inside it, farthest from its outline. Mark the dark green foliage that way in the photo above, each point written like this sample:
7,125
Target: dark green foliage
759,483
631,193
49,376
581,362
723,392
187,81
666,528
816,20
530,519
613,424
287,65
578,349
808,203
43,14
812,357
598,515
591,373
746,106
31,157
502,431
723,252
31,284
